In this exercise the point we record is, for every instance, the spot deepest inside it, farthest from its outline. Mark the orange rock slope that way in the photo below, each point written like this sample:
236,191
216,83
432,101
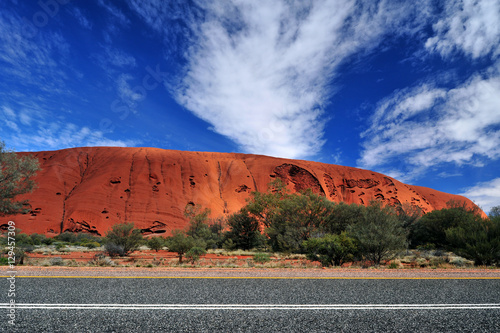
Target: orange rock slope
91,189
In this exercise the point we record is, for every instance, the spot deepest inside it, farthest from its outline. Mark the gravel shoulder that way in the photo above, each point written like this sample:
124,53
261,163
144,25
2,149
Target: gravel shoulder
166,272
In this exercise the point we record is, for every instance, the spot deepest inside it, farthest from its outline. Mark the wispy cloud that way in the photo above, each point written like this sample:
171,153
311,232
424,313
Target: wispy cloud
31,61
469,26
81,18
31,131
427,126
259,73
126,93
485,194
115,12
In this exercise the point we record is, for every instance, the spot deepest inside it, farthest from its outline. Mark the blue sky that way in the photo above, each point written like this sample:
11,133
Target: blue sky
409,90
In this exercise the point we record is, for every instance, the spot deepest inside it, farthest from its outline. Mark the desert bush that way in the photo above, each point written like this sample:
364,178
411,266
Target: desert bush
68,237
114,250
380,234
16,178
181,243
244,232
40,239
330,249
122,239
431,228
297,218
56,261
156,243
261,257
101,260
194,254
201,227
91,245
20,255
476,240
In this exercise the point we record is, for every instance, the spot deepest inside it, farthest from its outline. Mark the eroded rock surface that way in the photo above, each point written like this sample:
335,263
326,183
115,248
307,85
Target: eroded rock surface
91,189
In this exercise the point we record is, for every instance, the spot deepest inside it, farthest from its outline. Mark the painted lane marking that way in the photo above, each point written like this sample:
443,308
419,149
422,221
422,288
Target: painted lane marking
261,277
252,306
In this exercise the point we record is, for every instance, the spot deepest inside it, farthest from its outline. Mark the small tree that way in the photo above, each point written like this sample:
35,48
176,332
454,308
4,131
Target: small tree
244,231
298,217
494,212
193,255
201,227
476,240
156,243
16,177
330,249
379,234
181,243
122,239
431,228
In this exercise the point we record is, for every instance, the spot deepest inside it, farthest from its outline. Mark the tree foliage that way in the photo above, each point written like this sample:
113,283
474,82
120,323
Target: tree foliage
431,228
181,243
156,243
331,249
16,178
379,234
476,240
202,227
122,239
244,231
297,218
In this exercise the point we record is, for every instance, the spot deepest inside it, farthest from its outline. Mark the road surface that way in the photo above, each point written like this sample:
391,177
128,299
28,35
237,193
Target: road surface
124,304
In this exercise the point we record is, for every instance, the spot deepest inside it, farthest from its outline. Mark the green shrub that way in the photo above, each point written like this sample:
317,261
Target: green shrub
244,232
91,245
431,228
261,258
181,243
156,243
476,240
23,239
330,249
40,239
194,254
101,260
393,265
68,237
122,239
4,261
380,234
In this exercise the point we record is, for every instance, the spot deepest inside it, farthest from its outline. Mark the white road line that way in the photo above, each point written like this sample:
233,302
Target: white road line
251,306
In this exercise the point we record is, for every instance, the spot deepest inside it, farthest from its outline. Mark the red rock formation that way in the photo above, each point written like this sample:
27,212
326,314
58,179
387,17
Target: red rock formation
91,189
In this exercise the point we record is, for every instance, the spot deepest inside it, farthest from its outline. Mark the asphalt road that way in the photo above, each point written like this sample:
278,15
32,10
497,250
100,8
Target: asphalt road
252,305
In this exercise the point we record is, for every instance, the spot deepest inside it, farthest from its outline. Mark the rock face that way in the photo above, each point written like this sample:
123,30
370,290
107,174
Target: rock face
91,189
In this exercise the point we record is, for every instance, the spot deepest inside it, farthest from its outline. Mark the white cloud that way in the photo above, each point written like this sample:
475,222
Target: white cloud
119,58
25,117
428,126
32,129
30,60
259,72
116,13
81,18
485,194
58,135
470,26
112,59
126,93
